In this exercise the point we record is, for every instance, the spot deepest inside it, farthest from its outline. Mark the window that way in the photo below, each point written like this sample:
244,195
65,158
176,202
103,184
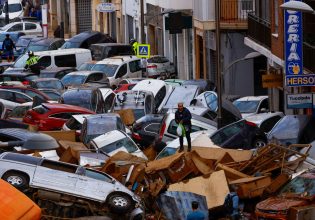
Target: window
134,66
22,158
7,95
95,77
17,27
160,96
44,61
30,26
264,105
96,175
61,115
122,71
59,166
222,135
153,128
268,124
20,98
66,60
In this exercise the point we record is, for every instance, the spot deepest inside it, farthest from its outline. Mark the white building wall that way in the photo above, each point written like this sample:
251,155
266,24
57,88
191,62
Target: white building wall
204,10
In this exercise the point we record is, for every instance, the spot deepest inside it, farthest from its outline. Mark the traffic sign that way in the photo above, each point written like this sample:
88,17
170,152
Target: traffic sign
143,50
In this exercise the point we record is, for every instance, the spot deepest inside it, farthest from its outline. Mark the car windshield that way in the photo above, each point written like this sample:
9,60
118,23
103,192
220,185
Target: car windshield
86,67
69,44
288,129
19,111
76,79
168,151
246,106
49,84
22,42
303,184
181,94
108,69
15,8
35,48
122,143
80,98
20,63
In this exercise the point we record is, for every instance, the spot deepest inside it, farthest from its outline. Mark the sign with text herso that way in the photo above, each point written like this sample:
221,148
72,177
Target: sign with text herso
294,51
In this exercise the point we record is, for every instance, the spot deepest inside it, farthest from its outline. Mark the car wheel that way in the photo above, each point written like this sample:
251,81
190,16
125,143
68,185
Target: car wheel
259,143
16,179
119,203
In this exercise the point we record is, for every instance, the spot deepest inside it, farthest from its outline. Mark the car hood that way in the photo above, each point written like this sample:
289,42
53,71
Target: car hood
245,115
280,204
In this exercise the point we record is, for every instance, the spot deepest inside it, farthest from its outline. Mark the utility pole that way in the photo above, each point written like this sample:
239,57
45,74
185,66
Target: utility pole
6,9
218,72
142,21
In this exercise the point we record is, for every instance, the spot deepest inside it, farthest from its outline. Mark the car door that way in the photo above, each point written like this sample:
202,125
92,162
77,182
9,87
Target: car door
92,184
16,28
57,176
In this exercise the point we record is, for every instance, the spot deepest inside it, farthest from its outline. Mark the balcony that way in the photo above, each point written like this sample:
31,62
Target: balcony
308,57
259,30
234,13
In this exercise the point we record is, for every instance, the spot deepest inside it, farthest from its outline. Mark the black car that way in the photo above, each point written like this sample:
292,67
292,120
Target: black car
239,135
105,50
203,84
86,39
58,72
146,129
293,129
45,44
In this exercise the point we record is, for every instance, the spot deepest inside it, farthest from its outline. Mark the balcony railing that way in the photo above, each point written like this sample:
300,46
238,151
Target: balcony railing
308,57
259,30
235,11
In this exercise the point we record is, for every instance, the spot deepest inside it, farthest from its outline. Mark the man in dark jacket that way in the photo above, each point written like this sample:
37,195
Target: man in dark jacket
8,46
183,116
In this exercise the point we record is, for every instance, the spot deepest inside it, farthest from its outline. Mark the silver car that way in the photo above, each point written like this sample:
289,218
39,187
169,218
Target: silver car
23,172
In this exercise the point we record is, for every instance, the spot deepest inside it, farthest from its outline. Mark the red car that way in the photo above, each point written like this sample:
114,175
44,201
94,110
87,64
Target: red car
27,90
51,116
124,87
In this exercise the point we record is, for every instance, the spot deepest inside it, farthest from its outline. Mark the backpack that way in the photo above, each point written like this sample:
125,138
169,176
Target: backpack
8,43
228,203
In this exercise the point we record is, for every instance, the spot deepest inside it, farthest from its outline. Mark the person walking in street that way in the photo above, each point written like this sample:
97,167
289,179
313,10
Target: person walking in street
195,214
231,204
183,119
8,46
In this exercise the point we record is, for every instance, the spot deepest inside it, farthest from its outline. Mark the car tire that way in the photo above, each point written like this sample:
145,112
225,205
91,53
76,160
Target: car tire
17,179
119,203
259,143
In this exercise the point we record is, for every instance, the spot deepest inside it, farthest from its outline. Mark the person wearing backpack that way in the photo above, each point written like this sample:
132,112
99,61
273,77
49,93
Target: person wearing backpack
195,214
231,203
8,46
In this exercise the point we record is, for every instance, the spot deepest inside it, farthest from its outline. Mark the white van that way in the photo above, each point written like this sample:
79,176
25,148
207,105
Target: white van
56,58
15,9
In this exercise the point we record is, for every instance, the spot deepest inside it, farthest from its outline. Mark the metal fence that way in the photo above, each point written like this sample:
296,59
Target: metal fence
259,30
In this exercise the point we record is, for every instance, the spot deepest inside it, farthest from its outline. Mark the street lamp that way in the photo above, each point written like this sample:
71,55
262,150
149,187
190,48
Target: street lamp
297,6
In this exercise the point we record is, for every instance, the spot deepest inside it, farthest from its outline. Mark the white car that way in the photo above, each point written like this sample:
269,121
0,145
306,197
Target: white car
159,88
118,68
251,105
15,9
89,187
265,121
115,141
23,26
11,99
159,66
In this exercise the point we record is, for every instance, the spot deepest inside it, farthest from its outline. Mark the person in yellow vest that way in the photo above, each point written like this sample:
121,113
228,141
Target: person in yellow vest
134,45
32,63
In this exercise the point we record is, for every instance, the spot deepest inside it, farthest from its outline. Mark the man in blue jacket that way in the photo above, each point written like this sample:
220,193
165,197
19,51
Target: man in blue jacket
183,117
195,214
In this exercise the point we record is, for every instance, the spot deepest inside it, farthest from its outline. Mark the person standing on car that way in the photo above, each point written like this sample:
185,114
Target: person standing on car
183,118
32,63
8,46
134,45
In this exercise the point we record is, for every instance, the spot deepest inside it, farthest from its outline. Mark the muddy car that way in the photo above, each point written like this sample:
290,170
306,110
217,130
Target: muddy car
298,192
68,184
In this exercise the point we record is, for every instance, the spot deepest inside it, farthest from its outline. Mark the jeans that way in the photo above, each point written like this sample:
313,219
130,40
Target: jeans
181,140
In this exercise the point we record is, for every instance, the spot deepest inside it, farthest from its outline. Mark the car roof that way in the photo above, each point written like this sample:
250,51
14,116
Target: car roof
62,51
259,118
117,60
252,98
84,35
83,73
110,44
47,41
58,106
152,85
19,133
80,117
